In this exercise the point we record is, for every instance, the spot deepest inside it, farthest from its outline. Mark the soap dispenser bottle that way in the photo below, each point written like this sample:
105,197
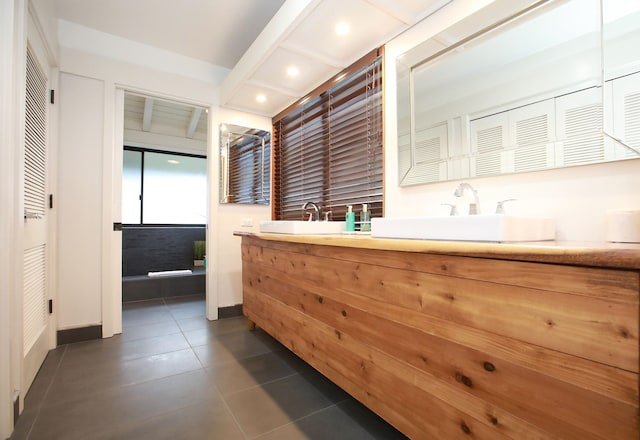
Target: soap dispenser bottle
351,219
365,219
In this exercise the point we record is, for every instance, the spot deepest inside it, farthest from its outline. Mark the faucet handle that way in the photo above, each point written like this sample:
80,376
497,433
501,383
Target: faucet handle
500,206
453,208
327,214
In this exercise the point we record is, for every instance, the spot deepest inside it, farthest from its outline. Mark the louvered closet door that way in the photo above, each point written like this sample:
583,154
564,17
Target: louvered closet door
579,121
626,114
35,298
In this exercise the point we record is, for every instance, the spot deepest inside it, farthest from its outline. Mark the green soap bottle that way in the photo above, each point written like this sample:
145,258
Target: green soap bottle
351,219
365,219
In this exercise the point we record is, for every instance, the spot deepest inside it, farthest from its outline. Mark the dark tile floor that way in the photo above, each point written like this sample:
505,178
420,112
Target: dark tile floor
174,375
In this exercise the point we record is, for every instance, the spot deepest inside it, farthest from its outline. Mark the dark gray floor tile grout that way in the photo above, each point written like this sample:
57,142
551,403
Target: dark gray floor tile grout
259,385
294,421
163,309
40,403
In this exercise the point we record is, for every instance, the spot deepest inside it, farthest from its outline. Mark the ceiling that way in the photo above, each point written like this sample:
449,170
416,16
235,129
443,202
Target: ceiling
303,34
215,31
145,114
257,40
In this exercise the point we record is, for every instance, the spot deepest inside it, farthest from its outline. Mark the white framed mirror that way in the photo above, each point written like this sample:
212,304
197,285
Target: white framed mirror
518,87
621,71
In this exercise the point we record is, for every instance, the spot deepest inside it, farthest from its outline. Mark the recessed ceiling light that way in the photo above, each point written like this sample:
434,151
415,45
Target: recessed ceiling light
261,98
342,28
173,161
293,71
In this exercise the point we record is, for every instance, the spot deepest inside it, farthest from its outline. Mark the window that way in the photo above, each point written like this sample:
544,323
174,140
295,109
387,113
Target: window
328,149
163,188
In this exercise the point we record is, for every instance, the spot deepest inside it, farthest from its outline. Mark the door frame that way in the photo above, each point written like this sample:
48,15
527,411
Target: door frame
112,206
11,23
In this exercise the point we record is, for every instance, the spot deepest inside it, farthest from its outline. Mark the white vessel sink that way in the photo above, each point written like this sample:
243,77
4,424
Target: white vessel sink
490,227
301,227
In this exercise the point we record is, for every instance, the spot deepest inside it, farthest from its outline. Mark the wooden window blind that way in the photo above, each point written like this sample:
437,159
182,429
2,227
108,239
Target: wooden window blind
249,168
328,149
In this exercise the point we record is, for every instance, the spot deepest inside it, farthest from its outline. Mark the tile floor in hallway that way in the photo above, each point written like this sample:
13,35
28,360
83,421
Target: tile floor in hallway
174,375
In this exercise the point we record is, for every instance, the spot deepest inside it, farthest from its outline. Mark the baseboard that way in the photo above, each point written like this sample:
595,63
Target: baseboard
80,334
16,409
230,311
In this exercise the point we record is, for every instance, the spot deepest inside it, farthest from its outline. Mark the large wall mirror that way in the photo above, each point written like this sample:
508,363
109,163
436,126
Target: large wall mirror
521,86
244,165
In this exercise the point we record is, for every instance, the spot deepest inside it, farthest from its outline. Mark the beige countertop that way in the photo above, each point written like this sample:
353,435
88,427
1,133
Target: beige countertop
598,254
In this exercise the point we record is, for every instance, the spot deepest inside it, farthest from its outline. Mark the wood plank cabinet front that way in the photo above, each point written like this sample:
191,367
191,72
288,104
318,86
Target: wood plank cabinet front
447,347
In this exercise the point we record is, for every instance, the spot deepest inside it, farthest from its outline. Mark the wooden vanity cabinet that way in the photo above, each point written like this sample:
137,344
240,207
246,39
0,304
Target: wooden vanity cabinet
450,346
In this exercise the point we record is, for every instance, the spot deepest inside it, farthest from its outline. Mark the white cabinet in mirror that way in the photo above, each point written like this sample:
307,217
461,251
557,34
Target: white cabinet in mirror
521,93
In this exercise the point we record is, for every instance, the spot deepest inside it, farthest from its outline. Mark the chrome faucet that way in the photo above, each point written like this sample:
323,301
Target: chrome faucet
500,205
474,208
315,207
453,210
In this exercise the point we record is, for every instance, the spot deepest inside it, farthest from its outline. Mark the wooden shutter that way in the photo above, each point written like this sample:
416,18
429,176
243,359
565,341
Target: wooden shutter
488,142
34,258
34,287
328,149
35,137
625,112
580,127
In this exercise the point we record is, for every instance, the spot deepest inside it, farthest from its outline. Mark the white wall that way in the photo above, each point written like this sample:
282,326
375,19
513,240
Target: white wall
230,216
79,201
78,305
577,197
223,256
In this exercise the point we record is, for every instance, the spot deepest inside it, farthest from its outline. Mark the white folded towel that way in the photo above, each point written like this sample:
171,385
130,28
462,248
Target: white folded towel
169,273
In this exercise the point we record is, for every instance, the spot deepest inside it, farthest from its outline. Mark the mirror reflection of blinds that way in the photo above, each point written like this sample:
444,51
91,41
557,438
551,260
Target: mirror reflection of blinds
249,162
329,149
35,136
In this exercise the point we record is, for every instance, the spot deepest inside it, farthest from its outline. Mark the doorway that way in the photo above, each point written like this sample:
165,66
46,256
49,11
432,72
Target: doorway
163,195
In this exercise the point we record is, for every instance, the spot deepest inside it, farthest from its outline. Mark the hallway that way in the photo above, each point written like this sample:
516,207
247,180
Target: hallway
174,375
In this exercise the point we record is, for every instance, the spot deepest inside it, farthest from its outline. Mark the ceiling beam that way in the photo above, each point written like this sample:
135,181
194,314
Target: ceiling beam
301,50
148,111
193,123
406,14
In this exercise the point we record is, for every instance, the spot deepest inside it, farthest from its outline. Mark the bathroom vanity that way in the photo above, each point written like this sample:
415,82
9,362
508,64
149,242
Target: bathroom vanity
450,340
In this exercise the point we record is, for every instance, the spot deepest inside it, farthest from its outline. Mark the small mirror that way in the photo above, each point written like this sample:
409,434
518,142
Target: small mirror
245,165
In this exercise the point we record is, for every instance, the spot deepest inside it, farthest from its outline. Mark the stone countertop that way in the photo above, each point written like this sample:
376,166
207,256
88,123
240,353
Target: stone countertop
596,254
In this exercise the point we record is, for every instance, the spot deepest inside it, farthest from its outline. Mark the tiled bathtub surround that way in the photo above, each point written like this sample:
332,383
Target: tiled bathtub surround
152,249
173,374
